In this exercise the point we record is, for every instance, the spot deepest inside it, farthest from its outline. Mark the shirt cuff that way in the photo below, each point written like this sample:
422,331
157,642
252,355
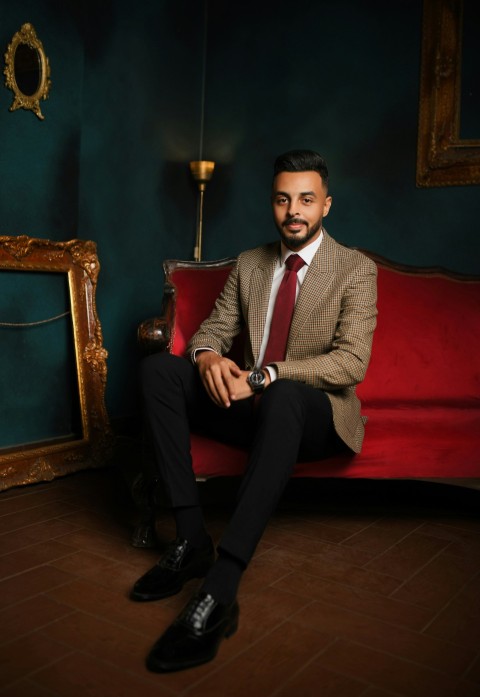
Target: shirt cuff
198,350
272,371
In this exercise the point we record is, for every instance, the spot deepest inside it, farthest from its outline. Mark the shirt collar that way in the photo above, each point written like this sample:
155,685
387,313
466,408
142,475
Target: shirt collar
307,253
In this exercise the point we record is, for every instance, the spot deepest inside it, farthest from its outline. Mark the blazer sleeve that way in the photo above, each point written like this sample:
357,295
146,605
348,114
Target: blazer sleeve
341,361
224,323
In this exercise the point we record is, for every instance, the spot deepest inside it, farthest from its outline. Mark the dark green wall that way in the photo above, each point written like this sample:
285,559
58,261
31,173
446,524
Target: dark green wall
110,161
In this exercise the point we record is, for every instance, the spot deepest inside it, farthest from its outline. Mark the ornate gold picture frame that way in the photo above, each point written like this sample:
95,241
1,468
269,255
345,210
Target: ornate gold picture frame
443,158
46,460
27,72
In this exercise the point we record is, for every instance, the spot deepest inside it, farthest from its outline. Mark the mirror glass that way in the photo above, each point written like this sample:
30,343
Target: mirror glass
27,66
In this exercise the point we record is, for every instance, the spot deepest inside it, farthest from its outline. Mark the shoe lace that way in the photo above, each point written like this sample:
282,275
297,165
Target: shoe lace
196,611
174,554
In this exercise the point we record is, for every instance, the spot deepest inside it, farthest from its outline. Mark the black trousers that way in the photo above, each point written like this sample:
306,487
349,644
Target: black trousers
290,422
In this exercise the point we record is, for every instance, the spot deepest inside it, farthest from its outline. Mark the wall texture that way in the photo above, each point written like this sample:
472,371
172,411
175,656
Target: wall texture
110,161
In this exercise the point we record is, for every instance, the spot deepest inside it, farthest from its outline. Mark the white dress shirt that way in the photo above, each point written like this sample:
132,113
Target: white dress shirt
307,254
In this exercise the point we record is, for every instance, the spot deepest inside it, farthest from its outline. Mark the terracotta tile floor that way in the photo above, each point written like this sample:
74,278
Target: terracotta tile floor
358,589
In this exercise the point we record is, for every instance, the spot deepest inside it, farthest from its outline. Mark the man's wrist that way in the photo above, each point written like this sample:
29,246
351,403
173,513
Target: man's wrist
198,351
257,380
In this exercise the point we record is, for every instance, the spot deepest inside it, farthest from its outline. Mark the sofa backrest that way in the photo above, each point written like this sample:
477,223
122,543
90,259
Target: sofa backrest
427,343
196,287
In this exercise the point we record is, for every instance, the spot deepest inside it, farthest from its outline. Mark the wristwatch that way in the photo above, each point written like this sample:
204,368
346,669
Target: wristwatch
256,379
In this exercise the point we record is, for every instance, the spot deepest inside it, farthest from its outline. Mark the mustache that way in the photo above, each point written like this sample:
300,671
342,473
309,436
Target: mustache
295,221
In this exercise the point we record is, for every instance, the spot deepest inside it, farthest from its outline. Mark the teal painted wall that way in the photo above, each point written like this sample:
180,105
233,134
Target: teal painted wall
110,161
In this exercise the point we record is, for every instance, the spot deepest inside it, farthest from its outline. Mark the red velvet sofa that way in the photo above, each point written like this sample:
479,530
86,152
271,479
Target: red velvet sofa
422,390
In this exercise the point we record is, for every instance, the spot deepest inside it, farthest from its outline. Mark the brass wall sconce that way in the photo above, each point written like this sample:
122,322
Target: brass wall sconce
202,171
27,72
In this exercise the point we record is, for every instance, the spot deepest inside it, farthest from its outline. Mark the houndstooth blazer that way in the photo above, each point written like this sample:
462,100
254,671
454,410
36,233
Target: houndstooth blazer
330,338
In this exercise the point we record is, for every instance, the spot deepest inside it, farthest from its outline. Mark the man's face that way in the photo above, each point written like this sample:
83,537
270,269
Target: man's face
299,202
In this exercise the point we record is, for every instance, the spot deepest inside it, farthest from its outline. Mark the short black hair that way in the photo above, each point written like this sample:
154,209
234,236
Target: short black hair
301,161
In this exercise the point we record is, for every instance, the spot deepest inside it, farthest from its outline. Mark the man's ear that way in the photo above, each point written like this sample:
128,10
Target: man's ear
327,205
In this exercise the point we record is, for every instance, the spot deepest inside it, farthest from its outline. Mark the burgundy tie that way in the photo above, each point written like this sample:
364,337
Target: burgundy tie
283,311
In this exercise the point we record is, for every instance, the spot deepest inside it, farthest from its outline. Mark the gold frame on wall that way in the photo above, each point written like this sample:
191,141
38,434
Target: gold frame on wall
35,462
443,159
27,36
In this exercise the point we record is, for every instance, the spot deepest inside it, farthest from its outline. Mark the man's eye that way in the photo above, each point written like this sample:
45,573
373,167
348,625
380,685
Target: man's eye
307,200
282,200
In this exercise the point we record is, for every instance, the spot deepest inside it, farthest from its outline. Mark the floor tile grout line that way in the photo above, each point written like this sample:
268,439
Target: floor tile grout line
451,599
38,522
32,684
395,544
359,532
43,592
470,665
41,504
339,544
421,568
350,564
59,539
116,538
347,537
349,610
455,527
42,667
280,578
37,566
102,618
385,622
73,611
120,536
405,659
305,665
89,655
36,542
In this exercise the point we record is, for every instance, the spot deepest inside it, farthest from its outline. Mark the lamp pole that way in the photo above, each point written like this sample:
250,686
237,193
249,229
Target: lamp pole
202,171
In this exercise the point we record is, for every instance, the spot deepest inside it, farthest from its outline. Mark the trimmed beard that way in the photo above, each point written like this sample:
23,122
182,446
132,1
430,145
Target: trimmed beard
295,241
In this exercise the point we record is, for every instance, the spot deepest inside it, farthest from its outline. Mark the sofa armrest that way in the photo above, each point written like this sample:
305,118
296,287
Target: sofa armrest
153,335
189,294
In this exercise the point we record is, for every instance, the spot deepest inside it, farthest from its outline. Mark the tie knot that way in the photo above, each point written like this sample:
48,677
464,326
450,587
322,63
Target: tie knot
294,262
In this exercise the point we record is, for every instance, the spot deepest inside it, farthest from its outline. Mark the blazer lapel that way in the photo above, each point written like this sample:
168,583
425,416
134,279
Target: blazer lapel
259,295
320,276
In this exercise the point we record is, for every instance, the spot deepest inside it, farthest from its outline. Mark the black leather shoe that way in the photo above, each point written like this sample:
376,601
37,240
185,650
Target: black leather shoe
180,563
195,635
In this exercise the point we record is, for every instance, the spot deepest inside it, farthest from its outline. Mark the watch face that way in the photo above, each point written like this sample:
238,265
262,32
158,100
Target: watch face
256,378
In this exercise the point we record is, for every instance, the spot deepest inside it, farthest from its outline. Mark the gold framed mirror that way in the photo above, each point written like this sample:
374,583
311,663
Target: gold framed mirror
87,441
27,71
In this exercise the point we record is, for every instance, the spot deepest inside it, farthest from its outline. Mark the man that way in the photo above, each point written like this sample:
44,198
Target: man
294,399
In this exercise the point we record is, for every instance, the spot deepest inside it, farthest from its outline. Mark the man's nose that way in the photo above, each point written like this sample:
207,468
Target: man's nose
292,209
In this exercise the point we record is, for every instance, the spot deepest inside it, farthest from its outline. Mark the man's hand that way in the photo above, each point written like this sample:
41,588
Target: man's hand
218,375
223,379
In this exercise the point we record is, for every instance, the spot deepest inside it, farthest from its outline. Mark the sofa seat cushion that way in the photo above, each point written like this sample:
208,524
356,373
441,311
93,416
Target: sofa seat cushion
401,442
